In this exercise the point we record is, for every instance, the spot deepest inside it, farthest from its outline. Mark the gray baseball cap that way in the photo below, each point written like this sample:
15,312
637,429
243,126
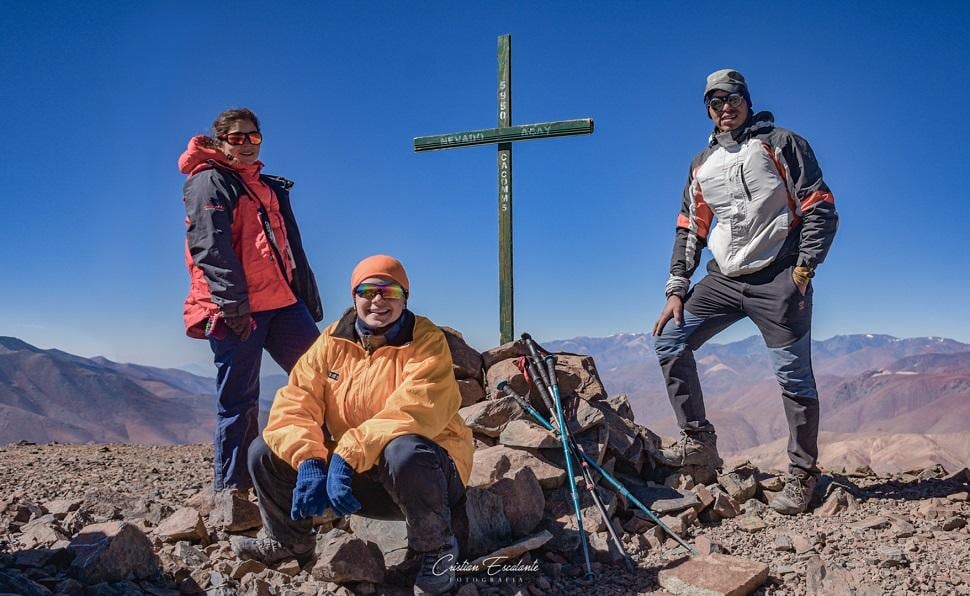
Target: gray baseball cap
726,79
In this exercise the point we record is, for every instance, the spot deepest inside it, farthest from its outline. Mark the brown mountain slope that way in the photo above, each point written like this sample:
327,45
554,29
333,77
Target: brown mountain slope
885,453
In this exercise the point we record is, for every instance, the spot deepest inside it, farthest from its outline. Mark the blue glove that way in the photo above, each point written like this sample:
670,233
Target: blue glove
310,493
338,487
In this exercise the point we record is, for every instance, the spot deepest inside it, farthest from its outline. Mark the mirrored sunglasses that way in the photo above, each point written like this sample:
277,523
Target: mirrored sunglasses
387,292
239,138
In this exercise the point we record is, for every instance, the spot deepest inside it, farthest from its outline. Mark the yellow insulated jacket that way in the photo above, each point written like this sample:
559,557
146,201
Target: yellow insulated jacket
342,399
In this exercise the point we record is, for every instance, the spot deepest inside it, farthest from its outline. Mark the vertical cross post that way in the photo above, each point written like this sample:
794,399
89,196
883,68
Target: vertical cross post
506,305
504,135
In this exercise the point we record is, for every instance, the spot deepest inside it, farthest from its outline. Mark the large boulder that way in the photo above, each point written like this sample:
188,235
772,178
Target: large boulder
344,558
471,392
522,499
467,362
488,527
500,461
112,551
490,417
390,536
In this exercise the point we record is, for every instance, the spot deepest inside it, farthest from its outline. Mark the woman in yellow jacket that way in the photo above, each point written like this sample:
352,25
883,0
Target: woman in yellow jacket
367,424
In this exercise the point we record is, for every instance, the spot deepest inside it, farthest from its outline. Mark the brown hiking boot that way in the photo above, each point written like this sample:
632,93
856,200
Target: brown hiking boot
693,449
268,551
797,494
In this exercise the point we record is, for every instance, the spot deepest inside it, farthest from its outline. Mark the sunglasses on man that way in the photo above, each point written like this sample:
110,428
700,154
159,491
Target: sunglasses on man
240,138
717,103
369,291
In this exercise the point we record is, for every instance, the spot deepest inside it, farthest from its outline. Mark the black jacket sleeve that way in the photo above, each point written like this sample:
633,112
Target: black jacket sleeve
816,203
209,205
693,223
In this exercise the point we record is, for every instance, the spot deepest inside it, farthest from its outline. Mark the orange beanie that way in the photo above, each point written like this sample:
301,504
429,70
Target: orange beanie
379,266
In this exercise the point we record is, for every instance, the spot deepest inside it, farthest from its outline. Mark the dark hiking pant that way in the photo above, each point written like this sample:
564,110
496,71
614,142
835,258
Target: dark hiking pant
414,480
774,303
286,333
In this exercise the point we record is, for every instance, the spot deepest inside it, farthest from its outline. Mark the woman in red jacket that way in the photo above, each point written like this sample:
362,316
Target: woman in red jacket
251,286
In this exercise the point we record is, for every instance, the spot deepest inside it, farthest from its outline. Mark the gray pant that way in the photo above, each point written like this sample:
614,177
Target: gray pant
773,302
414,480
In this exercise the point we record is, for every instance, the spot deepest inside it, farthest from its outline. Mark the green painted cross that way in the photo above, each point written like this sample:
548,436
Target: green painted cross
504,135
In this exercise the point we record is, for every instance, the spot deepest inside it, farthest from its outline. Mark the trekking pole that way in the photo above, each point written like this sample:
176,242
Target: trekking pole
551,366
587,475
534,351
561,419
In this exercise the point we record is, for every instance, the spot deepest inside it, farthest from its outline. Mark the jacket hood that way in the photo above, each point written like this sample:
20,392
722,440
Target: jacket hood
199,153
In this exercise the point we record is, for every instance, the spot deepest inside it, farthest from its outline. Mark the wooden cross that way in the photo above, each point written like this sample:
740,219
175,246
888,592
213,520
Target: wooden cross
504,135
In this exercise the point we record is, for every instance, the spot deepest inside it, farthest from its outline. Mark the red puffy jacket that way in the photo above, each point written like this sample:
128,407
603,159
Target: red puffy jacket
243,248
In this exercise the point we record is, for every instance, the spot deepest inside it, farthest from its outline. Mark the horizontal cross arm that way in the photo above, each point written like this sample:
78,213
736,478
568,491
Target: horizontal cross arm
505,134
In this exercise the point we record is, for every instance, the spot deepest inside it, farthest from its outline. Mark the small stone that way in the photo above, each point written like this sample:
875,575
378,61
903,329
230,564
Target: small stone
527,435
232,512
740,484
751,523
840,500
953,523
783,543
706,546
714,574
802,544
891,556
704,496
240,569
754,507
676,524
959,497
772,483
724,505
184,524
289,567
903,529
827,579
875,522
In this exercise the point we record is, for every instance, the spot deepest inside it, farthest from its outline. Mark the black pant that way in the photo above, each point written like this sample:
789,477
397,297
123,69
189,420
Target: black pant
774,303
414,480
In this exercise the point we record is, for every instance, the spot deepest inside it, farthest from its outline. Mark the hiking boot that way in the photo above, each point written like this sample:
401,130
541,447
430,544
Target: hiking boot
268,551
693,449
437,574
796,495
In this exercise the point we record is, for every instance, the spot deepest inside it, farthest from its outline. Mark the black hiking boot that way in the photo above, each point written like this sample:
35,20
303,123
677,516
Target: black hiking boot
437,574
268,551
797,494
693,449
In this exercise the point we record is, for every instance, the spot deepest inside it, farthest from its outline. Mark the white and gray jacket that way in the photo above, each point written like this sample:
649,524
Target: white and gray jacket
753,196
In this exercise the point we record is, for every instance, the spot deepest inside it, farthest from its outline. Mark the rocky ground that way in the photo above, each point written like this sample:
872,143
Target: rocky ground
125,519
902,534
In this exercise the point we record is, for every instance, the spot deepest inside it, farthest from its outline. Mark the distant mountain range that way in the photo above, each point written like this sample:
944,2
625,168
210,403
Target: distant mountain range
50,395
867,383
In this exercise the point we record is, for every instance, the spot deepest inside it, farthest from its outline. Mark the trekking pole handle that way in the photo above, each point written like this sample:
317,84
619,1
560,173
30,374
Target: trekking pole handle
550,361
530,345
540,384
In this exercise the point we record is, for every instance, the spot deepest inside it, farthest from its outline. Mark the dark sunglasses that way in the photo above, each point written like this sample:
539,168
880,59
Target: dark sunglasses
387,292
717,103
239,138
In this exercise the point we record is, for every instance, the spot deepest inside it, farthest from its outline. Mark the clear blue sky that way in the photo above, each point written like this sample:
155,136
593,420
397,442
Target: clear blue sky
99,99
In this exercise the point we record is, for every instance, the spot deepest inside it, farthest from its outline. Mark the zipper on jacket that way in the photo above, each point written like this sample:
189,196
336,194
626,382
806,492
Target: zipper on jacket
744,183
